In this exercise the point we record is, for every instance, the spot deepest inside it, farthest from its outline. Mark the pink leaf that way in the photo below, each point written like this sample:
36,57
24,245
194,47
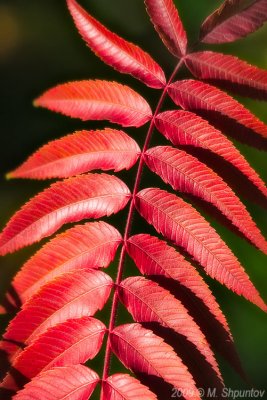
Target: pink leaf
232,21
229,72
140,350
181,223
97,100
92,245
196,95
86,196
149,302
72,295
186,173
186,128
115,51
70,343
125,387
168,24
80,152
65,383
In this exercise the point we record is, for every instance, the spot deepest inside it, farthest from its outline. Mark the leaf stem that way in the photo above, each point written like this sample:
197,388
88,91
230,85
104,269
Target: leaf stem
115,302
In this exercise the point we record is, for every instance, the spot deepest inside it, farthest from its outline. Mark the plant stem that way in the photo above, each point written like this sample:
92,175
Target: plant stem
115,302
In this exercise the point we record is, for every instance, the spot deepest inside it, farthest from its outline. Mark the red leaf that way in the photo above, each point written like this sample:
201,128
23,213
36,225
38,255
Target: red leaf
125,387
66,383
80,152
69,343
154,257
232,21
97,100
229,71
186,128
92,245
168,24
86,196
72,295
186,173
196,95
140,350
115,51
181,223
149,302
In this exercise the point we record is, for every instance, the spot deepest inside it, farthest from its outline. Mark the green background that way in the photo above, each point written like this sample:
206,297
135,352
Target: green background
39,47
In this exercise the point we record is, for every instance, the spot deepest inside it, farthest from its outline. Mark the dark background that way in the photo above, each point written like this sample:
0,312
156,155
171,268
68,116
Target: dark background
39,47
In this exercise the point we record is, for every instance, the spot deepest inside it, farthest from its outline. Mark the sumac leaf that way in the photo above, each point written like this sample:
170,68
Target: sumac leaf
149,302
76,382
230,72
92,245
80,152
187,174
97,100
140,350
125,387
196,95
72,295
181,223
85,196
232,21
115,51
186,128
168,24
69,343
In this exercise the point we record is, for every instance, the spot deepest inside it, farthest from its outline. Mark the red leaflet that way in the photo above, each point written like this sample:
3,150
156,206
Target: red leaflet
187,174
125,387
115,51
196,95
69,343
140,350
229,72
86,196
154,257
181,223
148,302
232,21
167,23
72,295
92,245
66,383
186,128
80,152
97,100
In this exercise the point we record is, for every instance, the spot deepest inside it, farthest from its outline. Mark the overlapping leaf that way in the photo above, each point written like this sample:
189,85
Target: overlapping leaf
85,196
70,343
187,174
115,51
92,245
97,100
168,24
76,382
181,223
72,295
140,350
125,387
196,95
80,152
186,128
148,302
230,72
233,20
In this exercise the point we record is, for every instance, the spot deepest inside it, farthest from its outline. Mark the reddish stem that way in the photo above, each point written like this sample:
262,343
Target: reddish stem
115,302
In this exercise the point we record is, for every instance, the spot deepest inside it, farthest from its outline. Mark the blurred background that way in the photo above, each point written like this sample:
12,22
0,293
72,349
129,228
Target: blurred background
39,48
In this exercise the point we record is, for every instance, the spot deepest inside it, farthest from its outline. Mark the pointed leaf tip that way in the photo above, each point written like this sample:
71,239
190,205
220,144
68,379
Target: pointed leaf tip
114,50
97,100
